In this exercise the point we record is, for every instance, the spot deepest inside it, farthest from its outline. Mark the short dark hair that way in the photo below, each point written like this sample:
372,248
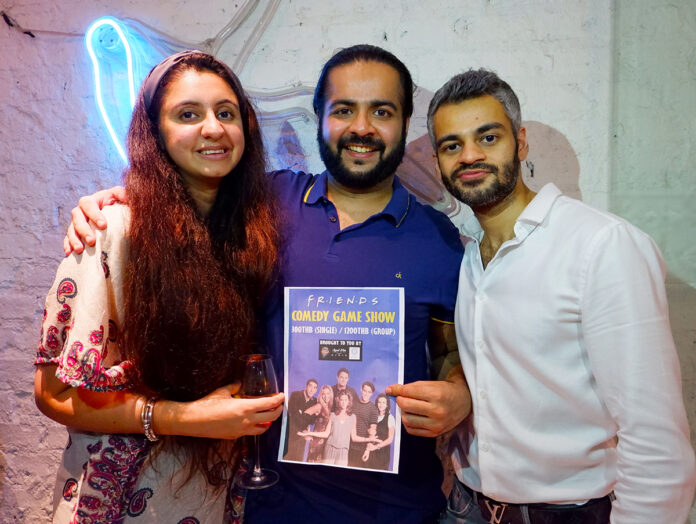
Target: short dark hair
343,370
364,53
310,381
472,84
368,383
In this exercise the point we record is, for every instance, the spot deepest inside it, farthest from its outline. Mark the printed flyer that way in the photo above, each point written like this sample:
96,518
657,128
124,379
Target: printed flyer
343,347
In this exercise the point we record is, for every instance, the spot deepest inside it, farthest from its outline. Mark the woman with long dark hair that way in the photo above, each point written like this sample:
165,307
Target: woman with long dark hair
378,454
142,333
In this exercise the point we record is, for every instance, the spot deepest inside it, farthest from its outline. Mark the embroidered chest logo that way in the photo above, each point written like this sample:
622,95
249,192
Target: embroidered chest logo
398,275
495,517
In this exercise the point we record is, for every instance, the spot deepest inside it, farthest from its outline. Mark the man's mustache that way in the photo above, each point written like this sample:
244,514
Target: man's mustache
361,141
476,165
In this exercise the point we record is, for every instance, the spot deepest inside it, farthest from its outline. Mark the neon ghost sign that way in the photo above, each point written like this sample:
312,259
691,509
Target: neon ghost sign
121,59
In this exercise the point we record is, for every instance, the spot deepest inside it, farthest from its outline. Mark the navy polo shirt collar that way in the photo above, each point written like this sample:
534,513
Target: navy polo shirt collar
397,208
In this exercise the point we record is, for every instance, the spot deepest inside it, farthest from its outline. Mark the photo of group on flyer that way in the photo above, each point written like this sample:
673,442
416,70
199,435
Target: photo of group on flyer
339,426
343,348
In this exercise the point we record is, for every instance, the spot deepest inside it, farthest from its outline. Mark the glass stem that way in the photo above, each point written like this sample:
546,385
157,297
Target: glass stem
257,461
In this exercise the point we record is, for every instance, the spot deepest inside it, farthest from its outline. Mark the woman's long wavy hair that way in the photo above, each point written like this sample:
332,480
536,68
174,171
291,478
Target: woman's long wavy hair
195,284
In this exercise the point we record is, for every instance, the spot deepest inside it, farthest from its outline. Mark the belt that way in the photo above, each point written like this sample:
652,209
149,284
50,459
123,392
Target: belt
595,511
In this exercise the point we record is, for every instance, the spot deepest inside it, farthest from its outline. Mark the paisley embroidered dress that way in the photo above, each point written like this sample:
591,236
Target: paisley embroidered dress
108,477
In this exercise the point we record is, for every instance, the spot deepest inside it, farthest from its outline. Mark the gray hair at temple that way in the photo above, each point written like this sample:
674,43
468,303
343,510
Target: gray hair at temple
472,84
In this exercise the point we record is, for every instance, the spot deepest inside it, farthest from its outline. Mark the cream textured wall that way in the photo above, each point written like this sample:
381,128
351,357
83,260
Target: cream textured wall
607,88
652,181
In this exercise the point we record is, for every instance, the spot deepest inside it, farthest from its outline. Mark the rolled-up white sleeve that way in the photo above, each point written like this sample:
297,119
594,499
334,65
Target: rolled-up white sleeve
632,356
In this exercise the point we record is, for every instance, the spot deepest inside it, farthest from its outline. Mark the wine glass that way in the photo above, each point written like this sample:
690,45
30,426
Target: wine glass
259,380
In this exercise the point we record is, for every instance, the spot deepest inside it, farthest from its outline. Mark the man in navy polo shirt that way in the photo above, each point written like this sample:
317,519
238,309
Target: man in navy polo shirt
355,225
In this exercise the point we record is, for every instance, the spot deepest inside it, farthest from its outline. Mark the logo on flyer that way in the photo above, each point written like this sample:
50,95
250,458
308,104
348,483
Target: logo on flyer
347,350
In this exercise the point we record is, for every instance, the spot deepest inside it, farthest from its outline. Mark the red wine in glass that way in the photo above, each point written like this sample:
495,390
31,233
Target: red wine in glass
259,380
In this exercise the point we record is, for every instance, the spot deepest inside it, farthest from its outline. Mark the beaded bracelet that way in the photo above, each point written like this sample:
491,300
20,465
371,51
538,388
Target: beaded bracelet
146,419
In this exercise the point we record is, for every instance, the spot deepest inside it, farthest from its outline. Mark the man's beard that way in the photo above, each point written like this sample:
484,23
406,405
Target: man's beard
474,197
360,179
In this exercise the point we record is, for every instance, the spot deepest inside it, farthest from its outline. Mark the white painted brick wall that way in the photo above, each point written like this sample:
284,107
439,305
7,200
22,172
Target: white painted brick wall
559,56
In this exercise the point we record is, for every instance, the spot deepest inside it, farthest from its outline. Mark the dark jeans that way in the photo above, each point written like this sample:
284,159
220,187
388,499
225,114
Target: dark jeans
467,507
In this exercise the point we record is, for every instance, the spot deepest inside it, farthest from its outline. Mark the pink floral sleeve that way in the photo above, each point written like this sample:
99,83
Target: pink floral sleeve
83,309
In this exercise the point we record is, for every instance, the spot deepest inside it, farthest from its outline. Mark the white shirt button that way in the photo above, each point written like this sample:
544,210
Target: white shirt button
485,447
483,395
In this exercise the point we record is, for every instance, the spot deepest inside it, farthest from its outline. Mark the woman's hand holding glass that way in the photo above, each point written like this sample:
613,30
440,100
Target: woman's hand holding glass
259,381
218,415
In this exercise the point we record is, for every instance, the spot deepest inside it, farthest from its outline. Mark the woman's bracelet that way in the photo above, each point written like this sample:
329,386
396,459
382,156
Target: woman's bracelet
146,419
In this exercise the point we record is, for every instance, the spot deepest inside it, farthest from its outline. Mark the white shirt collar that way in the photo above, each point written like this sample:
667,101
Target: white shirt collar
533,215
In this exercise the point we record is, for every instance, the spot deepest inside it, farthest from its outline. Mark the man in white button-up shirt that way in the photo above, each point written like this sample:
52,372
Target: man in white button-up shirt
564,337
